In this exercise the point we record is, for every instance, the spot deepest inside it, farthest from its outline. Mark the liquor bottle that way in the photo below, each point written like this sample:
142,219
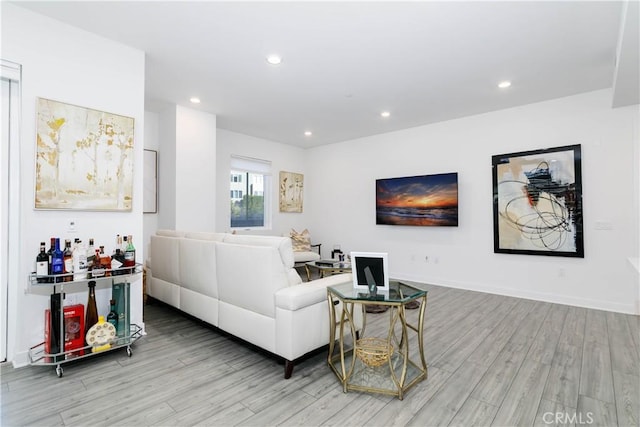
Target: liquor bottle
117,261
68,261
92,308
118,244
105,262
130,255
117,258
50,254
42,264
96,268
112,317
123,244
79,261
91,253
57,261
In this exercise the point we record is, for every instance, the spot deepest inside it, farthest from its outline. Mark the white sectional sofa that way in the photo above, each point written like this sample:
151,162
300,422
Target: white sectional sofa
244,285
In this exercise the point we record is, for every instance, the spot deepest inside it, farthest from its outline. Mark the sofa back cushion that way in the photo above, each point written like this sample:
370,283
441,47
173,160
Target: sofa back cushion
165,258
170,233
282,244
203,235
198,266
249,276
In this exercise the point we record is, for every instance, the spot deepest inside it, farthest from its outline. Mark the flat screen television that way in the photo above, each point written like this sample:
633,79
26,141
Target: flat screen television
423,200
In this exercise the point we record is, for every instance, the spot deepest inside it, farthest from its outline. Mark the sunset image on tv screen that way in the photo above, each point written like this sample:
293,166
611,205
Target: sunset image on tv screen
425,200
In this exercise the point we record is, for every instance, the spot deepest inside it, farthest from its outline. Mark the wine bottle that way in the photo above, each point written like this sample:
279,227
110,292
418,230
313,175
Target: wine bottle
130,255
42,264
68,261
57,261
92,309
112,317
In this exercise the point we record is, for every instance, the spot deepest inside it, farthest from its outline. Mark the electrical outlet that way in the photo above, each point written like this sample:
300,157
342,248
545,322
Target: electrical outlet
71,226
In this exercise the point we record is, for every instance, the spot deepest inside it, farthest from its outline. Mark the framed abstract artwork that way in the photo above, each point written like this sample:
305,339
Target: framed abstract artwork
537,202
291,191
84,158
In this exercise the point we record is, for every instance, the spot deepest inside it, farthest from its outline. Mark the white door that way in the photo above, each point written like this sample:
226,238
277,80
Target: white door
9,80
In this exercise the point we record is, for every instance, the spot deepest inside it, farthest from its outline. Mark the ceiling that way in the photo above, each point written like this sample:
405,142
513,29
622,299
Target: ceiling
343,63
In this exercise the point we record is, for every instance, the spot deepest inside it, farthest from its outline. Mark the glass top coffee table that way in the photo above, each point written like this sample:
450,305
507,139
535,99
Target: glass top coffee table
382,364
325,270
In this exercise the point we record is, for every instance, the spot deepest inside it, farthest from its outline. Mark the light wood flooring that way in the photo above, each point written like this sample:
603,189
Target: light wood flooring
493,360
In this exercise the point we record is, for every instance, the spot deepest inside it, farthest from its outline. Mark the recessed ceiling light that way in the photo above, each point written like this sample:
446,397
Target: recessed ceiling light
274,59
385,114
308,133
194,100
505,84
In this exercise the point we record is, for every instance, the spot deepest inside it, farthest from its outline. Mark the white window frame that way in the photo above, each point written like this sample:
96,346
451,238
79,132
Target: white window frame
255,166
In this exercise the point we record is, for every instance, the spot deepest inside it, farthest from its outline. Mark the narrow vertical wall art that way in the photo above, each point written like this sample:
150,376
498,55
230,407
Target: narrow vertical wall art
291,191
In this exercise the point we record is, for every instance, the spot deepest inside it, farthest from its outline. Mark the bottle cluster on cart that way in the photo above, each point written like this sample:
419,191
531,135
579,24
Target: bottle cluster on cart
78,261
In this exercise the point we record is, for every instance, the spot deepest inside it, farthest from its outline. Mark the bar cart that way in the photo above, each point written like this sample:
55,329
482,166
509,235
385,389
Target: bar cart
38,354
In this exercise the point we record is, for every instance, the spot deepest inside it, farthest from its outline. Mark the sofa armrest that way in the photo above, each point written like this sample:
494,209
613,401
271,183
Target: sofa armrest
309,293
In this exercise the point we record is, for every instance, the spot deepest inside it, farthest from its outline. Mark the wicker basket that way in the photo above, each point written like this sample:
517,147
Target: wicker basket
373,351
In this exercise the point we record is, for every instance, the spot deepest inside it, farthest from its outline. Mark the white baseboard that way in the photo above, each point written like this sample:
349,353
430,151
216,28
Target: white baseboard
20,359
633,307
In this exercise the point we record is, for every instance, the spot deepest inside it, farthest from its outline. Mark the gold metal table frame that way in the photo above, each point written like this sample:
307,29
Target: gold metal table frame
387,366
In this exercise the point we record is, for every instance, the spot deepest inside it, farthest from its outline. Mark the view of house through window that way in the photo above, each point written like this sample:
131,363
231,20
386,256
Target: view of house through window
249,181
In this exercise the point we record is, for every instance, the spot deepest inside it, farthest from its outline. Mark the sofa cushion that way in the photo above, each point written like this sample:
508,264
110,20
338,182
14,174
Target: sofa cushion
301,241
283,244
202,235
198,266
170,233
306,256
309,293
249,276
164,258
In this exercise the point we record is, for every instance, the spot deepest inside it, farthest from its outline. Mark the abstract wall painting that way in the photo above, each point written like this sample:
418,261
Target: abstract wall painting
84,158
291,191
537,202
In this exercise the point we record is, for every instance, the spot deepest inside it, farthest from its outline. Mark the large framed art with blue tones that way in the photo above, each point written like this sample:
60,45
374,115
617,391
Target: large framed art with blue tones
537,202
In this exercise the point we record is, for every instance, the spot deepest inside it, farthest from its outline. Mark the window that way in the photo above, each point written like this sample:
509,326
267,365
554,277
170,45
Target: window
249,193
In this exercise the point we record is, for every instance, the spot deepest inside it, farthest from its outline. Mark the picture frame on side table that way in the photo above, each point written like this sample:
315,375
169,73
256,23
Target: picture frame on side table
537,202
368,267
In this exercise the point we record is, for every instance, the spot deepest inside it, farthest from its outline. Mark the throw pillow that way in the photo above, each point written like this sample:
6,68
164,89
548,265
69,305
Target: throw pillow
301,241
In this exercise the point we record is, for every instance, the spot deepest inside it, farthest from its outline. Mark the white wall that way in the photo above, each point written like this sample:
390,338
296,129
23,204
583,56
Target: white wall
340,196
282,157
151,142
195,170
66,64
187,169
